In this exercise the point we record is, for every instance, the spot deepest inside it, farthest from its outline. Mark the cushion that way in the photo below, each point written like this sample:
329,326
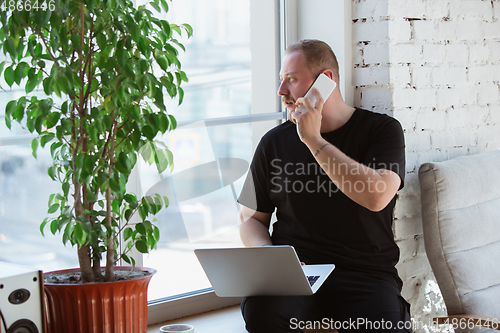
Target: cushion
461,223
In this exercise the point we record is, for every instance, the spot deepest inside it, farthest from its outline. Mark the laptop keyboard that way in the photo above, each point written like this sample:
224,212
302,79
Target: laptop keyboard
312,279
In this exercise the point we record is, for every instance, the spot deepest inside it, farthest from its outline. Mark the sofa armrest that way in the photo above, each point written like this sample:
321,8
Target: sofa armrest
468,321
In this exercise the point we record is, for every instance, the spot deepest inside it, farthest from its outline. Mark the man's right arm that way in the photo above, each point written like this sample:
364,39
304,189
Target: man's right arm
254,227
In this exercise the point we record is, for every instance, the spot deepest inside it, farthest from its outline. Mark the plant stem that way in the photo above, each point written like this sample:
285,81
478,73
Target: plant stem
84,255
108,274
84,261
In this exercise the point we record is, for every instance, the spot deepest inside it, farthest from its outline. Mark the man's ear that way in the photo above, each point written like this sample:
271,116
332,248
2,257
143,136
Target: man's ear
328,72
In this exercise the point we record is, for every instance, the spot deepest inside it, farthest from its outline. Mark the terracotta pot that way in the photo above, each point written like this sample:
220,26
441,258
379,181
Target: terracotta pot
107,307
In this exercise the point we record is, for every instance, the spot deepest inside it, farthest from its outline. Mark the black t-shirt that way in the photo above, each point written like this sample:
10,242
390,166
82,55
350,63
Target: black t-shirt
313,215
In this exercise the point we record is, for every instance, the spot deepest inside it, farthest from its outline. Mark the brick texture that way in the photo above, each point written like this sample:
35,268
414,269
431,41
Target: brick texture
433,65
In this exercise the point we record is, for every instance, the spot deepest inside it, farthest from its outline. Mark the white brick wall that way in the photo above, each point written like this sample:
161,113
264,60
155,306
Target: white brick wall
401,30
434,65
371,31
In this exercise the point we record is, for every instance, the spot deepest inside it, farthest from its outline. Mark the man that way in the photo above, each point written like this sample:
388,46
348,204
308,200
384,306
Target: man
331,173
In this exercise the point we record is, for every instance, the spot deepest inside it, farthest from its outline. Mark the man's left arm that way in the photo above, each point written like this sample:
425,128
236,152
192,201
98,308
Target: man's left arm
370,188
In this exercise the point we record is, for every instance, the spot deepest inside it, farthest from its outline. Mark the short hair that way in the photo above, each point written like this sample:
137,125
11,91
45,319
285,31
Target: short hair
319,56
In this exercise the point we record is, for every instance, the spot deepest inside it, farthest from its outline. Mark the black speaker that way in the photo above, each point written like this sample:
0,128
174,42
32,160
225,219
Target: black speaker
21,299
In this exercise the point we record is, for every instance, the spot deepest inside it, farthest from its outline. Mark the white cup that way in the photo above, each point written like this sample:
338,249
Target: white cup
177,328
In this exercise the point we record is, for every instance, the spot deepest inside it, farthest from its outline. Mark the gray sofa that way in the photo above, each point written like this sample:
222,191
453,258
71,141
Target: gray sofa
461,224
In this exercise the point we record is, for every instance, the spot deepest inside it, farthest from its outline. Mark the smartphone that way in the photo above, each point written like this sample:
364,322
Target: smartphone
324,84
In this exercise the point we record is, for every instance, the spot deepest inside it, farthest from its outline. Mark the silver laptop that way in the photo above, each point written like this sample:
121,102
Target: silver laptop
260,271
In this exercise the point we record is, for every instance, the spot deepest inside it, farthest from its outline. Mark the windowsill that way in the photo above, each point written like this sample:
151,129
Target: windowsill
222,320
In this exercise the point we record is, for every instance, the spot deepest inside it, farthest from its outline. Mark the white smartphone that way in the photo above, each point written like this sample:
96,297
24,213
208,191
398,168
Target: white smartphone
324,84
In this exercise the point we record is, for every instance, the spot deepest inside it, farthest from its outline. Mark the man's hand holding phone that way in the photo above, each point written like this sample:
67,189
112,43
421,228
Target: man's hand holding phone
308,117
307,114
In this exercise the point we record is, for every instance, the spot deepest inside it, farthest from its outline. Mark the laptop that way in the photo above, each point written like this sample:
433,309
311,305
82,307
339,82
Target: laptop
260,271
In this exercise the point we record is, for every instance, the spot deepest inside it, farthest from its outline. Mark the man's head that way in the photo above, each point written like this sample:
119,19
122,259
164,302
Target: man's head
303,62
318,55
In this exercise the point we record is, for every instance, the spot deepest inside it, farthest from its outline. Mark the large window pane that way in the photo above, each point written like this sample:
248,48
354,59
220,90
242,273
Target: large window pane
217,58
203,212
24,190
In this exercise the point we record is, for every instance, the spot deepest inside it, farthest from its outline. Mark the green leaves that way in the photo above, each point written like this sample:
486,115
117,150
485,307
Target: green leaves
155,5
158,153
9,110
9,76
127,233
34,81
111,74
164,159
143,235
125,163
163,62
34,146
142,246
53,208
46,138
80,236
188,28
164,5
9,47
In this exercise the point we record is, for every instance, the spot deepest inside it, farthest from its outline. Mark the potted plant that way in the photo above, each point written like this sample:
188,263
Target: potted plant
101,68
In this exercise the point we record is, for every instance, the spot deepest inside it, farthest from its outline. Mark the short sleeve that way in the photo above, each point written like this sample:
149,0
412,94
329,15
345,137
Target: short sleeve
255,191
386,149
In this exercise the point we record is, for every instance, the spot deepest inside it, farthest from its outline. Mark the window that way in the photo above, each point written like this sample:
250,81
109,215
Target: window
24,191
230,101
